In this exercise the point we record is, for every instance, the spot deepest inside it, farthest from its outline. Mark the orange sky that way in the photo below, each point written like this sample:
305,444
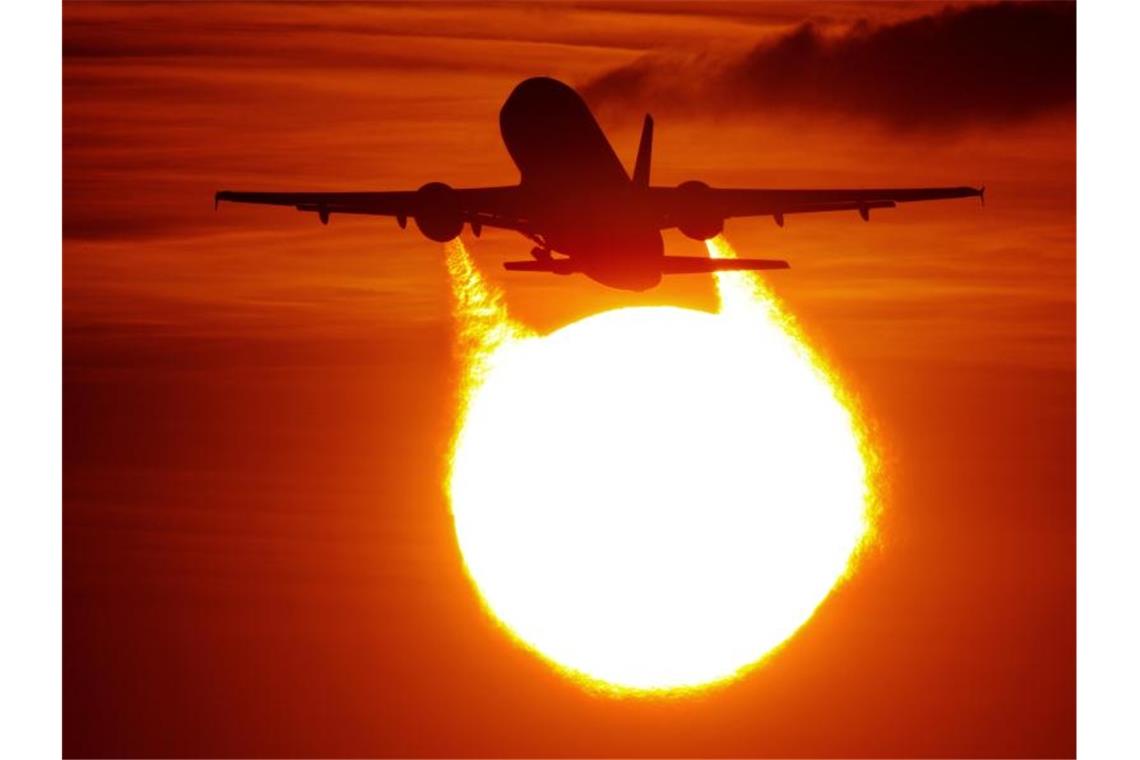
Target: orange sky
258,557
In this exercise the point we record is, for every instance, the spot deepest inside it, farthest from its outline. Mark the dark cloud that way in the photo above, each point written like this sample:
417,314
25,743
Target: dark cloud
962,65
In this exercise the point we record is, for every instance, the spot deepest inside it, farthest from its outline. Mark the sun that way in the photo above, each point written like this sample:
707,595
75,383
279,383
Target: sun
652,499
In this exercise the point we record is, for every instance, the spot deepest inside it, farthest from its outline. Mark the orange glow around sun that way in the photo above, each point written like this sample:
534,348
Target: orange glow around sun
653,499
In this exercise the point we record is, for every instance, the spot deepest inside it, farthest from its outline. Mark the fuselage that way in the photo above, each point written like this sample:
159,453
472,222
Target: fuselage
580,199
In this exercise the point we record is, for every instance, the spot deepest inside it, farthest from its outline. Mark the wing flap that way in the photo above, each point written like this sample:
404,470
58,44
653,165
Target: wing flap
673,205
771,202
489,206
382,203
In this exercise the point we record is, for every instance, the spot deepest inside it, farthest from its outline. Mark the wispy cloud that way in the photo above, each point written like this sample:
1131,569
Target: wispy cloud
959,66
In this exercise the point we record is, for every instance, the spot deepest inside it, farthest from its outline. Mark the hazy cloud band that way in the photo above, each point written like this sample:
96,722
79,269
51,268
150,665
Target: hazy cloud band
961,65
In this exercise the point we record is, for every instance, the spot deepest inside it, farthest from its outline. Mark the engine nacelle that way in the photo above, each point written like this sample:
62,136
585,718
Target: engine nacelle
692,219
438,214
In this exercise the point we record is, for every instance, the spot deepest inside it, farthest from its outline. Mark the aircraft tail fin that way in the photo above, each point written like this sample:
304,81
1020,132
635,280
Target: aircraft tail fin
644,154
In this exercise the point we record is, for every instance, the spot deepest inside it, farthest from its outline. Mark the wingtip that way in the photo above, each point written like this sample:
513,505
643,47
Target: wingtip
217,198
982,194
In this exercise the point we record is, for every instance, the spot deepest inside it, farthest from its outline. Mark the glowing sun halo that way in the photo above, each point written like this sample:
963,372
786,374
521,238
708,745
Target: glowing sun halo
653,498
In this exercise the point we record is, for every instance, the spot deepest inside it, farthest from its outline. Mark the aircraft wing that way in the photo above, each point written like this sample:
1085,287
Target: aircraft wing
490,206
675,204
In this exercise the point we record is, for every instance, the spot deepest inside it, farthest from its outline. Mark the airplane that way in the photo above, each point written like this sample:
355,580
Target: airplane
583,211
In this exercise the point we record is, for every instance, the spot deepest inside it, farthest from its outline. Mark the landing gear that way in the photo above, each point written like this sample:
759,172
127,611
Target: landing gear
544,260
541,251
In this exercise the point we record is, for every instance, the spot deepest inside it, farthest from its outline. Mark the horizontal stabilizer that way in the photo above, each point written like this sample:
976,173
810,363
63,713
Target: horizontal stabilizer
669,265
701,264
556,266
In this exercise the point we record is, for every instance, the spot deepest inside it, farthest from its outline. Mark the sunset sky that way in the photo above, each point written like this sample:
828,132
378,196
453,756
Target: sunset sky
258,554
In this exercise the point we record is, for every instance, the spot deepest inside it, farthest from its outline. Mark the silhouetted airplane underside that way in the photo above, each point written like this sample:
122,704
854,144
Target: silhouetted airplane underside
575,199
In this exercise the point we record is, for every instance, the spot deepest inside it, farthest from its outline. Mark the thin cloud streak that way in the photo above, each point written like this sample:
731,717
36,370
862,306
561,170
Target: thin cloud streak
960,66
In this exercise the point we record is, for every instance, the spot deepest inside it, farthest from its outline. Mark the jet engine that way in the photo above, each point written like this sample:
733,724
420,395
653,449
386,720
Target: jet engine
692,219
438,214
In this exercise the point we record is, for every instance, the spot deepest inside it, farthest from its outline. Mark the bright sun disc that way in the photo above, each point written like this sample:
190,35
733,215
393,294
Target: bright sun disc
654,498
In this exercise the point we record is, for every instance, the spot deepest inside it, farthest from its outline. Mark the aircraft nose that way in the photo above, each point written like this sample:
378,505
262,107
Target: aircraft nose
539,86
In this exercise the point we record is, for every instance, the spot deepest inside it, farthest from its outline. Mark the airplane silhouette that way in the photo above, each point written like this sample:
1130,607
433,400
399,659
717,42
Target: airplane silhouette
574,198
